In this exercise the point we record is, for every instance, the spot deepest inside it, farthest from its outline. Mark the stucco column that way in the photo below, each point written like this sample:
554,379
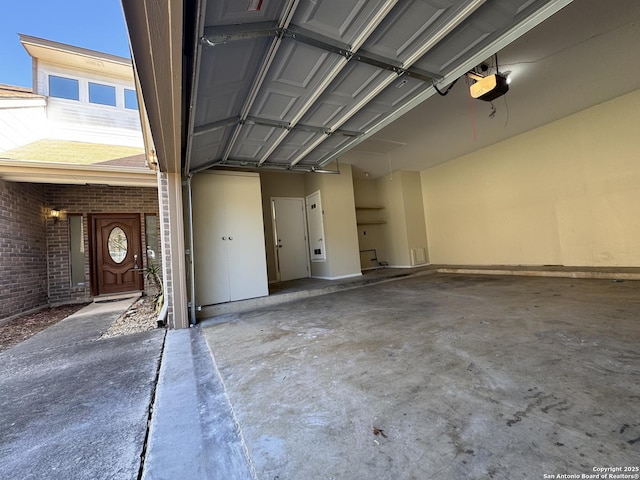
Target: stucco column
173,254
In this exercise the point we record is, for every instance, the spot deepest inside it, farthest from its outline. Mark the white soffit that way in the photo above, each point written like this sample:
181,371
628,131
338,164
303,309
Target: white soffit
74,174
76,57
295,84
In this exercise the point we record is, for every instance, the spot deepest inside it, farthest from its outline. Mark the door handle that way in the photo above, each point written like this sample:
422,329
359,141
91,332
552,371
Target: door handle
224,238
230,238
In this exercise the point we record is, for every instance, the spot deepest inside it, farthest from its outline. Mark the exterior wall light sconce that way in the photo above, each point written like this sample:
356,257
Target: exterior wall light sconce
55,214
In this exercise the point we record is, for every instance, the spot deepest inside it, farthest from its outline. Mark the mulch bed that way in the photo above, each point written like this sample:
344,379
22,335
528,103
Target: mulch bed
25,326
140,317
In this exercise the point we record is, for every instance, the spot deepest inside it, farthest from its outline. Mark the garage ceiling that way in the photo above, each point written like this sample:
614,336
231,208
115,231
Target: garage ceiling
580,57
293,85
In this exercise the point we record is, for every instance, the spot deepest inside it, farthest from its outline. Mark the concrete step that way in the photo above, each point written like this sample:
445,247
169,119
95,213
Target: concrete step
193,431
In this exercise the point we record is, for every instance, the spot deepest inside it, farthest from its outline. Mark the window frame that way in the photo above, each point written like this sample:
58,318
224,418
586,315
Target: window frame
66,79
77,277
135,99
111,88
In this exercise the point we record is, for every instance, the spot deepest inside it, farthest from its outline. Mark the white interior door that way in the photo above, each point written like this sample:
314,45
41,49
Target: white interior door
290,231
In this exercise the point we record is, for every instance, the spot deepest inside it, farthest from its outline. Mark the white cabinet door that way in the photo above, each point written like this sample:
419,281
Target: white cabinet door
228,237
211,265
247,259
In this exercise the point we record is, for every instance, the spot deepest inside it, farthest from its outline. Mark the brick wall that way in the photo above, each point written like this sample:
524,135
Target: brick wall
86,199
34,249
23,245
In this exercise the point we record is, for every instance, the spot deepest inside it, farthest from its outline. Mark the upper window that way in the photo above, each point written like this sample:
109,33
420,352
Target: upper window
130,99
102,94
64,88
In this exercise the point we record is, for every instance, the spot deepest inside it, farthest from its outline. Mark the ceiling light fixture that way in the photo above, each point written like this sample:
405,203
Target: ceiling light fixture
508,75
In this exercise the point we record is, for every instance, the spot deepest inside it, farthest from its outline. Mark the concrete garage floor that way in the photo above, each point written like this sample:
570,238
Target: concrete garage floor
438,376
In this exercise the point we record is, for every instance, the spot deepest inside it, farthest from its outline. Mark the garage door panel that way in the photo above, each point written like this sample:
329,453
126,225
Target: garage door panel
293,145
296,73
332,143
393,97
230,12
408,27
253,142
324,112
464,40
226,75
209,147
489,22
342,20
352,84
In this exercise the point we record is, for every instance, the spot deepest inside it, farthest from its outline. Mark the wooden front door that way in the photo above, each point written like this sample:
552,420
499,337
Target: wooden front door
116,248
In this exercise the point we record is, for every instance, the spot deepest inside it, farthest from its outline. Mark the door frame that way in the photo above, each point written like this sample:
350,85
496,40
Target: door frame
274,229
93,253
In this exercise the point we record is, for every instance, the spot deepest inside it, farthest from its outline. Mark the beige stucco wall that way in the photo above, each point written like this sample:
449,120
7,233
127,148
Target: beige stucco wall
395,231
341,236
566,193
401,195
414,212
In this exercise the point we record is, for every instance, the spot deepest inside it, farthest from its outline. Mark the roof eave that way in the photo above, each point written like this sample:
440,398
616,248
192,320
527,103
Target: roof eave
71,174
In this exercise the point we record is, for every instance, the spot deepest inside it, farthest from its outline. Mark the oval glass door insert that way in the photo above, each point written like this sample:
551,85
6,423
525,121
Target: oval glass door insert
117,245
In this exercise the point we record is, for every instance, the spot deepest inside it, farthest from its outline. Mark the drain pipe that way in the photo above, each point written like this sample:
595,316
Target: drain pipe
162,316
192,286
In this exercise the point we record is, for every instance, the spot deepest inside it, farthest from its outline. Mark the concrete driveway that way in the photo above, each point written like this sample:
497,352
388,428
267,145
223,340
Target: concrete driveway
73,406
